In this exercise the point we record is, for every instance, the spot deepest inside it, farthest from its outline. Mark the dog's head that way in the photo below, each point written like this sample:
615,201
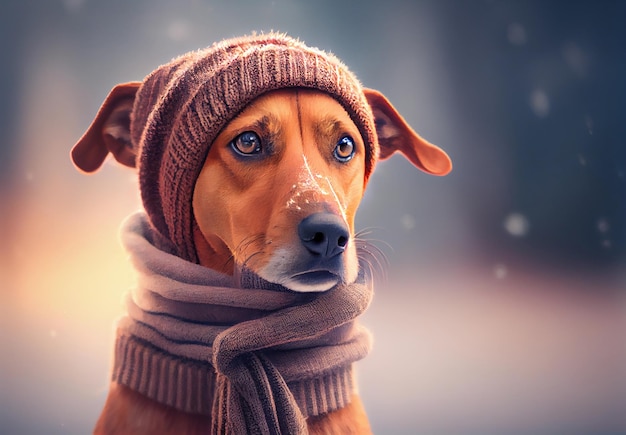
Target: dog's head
277,186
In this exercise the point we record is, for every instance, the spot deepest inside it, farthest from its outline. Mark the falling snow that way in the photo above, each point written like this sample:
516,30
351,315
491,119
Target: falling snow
73,6
408,222
500,271
179,30
539,103
603,225
516,224
589,124
576,59
516,34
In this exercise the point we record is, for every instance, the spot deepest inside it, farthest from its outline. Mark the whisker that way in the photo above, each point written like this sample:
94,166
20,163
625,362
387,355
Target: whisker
367,231
239,252
373,257
246,242
364,232
250,257
362,235
364,262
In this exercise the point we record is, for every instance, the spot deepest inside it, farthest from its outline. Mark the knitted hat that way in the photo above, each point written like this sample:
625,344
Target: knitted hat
182,106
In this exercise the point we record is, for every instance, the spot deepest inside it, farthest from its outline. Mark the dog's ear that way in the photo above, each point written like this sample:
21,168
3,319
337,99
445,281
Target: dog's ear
394,134
109,132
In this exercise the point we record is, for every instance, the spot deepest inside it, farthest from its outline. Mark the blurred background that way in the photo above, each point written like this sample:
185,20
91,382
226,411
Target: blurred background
504,306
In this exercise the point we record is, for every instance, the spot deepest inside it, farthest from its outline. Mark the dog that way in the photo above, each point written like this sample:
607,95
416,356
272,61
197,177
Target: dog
275,192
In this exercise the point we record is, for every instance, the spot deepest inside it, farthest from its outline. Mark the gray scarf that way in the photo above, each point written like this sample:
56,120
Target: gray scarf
256,357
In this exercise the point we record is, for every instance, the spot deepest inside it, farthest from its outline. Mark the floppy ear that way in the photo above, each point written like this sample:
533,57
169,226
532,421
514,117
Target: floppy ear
394,134
109,132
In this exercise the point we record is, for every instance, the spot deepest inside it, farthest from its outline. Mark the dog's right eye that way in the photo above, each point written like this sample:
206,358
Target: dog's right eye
247,143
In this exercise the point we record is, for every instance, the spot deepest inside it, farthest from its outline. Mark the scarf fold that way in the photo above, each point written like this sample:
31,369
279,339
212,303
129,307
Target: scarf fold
255,356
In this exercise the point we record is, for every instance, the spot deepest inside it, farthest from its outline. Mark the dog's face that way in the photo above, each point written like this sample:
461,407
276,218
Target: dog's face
279,191
280,187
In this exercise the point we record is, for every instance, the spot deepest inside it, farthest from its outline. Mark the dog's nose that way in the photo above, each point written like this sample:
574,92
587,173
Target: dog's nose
324,234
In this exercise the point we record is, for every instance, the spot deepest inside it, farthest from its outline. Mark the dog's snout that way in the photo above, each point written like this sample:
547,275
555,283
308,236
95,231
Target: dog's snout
324,234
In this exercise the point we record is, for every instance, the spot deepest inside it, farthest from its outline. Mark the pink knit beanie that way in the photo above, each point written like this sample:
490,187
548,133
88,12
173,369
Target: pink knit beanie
182,106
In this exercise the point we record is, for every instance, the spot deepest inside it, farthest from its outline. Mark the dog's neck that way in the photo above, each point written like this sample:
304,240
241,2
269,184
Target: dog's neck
194,342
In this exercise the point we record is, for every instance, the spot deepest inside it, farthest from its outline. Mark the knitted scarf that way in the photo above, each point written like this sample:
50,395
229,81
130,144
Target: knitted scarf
254,356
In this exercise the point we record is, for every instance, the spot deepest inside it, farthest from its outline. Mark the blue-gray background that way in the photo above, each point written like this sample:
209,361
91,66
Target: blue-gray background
504,308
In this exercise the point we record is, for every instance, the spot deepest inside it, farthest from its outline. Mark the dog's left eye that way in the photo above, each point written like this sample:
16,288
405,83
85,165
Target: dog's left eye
344,150
247,143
